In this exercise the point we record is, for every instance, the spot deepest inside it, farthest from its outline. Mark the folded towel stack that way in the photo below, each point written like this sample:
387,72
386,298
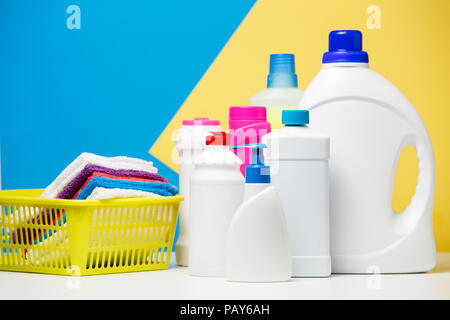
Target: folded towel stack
91,176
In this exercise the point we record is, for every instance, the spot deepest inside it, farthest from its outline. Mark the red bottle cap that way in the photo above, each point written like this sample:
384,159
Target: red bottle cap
218,139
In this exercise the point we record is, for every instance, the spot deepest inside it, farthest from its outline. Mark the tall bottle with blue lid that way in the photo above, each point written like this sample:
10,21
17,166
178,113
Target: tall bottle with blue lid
370,122
298,160
282,90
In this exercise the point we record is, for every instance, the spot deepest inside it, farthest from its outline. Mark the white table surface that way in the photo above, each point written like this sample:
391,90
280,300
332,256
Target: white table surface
176,283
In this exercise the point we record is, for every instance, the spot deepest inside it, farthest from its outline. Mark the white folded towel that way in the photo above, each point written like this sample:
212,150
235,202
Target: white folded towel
106,193
73,169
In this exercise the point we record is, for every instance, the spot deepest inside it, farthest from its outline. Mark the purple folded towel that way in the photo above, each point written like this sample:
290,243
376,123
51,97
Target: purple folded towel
73,186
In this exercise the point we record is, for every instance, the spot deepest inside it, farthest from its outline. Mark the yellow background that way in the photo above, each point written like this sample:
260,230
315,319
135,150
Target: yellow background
411,49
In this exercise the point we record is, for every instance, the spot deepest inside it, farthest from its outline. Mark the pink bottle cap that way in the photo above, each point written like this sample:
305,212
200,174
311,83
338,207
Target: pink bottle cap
248,113
201,122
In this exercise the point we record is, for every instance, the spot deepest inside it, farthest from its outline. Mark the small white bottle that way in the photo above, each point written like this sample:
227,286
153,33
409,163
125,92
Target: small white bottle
282,89
216,191
298,159
189,142
258,248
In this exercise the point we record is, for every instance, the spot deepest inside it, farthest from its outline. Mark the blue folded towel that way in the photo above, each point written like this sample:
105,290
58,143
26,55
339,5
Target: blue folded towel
163,189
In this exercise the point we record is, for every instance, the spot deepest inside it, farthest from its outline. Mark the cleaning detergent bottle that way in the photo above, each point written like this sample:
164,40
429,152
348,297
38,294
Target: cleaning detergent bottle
189,142
369,123
216,191
258,248
247,125
282,89
298,160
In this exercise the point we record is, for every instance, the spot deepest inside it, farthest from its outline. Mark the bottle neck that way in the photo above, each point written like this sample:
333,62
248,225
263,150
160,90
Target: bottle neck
252,189
345,65
282,80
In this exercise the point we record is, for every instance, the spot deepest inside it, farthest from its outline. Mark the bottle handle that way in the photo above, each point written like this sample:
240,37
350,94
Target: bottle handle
422,200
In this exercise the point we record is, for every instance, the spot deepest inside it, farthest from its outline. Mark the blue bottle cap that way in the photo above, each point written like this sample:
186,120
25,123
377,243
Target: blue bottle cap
295,117
256,172
282,71
345,46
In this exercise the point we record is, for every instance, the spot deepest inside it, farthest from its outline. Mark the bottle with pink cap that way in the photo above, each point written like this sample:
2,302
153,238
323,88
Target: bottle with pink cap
189,142
247,125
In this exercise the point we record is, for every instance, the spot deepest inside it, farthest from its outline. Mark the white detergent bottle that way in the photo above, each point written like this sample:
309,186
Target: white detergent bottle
282,89
189,142
369,122
298,160
216,191
258,248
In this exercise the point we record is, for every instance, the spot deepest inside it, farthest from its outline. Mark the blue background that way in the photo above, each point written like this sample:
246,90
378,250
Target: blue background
109,88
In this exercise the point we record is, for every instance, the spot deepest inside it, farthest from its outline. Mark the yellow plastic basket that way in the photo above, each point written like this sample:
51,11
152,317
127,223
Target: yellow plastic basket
85,237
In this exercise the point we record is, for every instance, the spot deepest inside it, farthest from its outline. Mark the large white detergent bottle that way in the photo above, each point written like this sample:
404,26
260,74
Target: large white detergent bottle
369,122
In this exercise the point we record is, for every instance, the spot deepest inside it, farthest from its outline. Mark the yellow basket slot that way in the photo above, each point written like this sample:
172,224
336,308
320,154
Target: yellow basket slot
85,237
